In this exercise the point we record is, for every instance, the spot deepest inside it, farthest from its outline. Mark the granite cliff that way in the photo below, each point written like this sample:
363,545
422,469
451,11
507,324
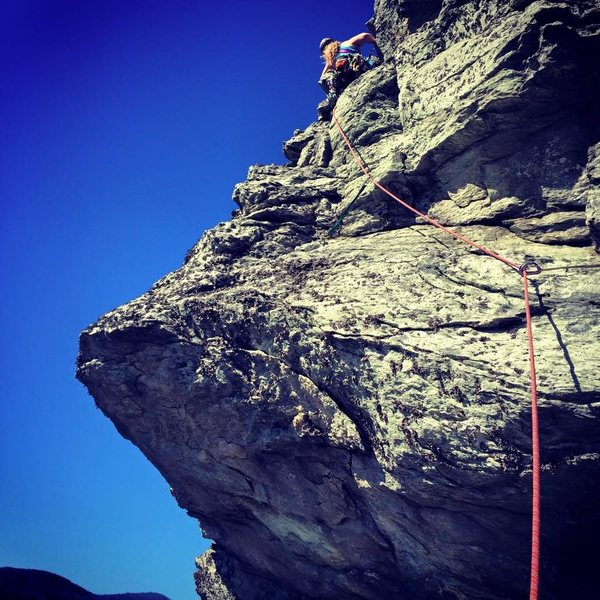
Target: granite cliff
348,417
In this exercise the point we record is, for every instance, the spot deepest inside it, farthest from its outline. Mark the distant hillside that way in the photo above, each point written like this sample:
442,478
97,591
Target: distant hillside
31,584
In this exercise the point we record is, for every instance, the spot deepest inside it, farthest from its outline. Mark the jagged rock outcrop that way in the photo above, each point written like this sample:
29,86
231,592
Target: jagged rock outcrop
348,417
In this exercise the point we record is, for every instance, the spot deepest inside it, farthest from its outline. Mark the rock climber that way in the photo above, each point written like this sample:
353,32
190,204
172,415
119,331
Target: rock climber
344,62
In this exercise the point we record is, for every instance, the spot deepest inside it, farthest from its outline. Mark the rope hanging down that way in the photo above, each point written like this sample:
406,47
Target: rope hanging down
535,450
526,269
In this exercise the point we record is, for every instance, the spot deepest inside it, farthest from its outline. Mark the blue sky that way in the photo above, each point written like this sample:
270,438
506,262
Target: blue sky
125,125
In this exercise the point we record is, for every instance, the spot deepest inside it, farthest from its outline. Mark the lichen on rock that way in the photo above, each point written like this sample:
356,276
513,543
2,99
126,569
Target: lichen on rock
349,417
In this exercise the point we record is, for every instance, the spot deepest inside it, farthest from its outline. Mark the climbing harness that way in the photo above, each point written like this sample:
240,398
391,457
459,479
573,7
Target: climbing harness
349,67
528,268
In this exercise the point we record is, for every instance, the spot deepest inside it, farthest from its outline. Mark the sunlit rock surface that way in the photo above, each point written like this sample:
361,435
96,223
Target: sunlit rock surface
349,417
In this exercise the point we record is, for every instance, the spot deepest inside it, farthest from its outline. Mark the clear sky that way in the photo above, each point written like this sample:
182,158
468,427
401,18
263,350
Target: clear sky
124,125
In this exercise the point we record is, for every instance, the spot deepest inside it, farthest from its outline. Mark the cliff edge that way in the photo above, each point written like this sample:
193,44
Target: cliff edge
348,417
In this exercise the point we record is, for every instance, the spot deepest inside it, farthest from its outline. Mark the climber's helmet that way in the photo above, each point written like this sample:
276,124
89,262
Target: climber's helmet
325,42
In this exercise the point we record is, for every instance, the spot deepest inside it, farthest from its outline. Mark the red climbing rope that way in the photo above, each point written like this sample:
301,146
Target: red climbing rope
523,270
535,444
376,183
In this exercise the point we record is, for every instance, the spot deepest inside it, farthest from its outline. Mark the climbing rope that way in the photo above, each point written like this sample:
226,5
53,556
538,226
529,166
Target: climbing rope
526,269
535,446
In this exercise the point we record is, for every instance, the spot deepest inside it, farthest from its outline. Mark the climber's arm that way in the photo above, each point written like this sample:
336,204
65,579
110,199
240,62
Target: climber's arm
365,38
360,39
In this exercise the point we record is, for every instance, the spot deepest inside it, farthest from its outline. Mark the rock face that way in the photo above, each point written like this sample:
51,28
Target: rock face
349,417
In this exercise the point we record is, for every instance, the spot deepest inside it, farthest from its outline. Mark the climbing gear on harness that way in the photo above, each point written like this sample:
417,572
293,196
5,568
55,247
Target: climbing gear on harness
529,267
348,67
